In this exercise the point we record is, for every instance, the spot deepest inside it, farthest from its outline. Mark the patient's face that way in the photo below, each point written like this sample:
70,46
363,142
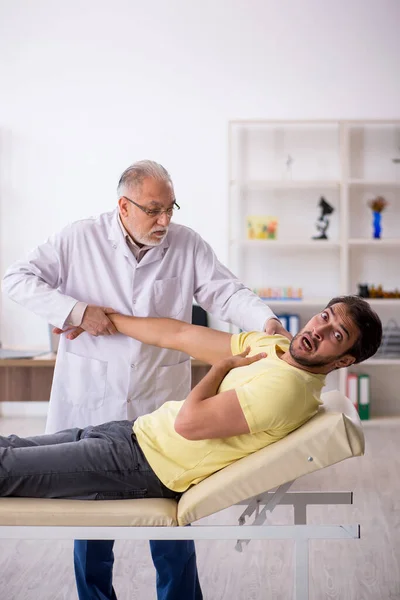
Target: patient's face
325,338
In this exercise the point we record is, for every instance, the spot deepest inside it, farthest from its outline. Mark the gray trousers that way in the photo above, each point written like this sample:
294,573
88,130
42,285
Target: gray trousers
95,463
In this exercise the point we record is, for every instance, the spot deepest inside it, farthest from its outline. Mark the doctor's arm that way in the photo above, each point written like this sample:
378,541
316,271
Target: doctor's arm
219,292
203,343
34,283
206,414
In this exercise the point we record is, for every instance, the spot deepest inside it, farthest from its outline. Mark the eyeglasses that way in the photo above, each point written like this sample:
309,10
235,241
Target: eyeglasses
153,213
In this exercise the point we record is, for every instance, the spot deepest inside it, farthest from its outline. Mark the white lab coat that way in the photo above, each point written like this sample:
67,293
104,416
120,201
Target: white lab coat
99,379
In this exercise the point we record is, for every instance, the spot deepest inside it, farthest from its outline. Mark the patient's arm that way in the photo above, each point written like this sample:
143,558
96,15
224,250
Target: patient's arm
203,343
206,414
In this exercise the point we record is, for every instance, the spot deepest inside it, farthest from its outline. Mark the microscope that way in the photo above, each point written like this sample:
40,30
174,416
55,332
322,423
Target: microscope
322,223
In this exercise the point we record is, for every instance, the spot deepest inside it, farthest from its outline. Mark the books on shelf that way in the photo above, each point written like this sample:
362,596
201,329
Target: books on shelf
279,293
358,390
363,396
352,388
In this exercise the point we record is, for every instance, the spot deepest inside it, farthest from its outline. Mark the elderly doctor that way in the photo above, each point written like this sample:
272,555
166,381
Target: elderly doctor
132,261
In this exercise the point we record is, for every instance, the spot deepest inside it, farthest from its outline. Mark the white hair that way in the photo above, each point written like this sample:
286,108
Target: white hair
134,175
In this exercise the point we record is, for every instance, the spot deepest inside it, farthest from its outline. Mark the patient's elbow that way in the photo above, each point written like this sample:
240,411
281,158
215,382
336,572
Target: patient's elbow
183,428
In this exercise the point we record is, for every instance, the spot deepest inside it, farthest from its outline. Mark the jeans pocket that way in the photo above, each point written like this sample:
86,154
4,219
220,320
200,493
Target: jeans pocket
128,495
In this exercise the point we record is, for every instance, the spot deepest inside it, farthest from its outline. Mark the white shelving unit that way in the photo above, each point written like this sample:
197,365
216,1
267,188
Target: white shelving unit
282,169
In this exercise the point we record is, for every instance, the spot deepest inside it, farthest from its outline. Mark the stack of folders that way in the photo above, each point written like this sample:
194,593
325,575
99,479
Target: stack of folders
358,391
290,322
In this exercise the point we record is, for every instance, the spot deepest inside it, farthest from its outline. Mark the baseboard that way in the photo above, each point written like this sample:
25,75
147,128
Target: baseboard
23,409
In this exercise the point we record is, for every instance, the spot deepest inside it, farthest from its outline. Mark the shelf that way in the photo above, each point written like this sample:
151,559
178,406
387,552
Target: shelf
379,421
320,244
379,302
282,170
370,122
302,303
322,302
366,183
27,362
378,362
285,184
49,360
319,122
382,242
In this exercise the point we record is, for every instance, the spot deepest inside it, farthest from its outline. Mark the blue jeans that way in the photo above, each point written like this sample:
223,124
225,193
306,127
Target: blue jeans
174,560
104,462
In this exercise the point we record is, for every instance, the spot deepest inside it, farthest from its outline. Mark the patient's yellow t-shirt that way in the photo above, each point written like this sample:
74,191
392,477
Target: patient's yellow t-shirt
275,397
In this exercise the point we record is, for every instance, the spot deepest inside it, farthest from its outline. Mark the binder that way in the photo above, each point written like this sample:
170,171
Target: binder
352,388
284,319
199,316
364,395
294,324
290,322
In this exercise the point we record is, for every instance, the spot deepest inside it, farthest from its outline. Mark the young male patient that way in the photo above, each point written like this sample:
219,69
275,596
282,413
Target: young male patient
259,389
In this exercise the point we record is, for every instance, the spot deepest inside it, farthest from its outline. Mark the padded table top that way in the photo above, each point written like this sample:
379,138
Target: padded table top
331,436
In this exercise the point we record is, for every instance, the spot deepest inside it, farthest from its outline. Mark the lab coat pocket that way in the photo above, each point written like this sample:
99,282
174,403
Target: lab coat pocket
84,380
173,381
168,300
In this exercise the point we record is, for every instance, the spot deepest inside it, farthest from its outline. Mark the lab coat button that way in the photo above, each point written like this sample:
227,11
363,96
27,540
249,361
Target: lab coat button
132,366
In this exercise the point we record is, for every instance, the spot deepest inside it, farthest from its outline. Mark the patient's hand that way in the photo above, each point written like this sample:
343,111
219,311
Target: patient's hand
273,327
72,332
95,321
239,360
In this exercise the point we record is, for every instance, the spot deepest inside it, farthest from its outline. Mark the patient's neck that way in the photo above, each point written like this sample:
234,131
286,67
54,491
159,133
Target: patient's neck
290,360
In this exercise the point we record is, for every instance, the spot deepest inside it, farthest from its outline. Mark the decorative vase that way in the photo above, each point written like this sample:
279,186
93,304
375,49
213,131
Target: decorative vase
376,223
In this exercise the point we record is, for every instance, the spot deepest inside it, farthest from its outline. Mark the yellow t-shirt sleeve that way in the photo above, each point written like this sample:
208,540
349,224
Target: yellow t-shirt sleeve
257,340
276,400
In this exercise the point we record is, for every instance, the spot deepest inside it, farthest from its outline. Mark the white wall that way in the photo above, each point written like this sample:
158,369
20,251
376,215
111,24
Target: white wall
89,86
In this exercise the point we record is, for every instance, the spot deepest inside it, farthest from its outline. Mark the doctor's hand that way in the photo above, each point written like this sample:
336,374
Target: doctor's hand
273,326
95,322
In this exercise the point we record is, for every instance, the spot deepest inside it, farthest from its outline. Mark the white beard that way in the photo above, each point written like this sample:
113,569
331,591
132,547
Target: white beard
147,240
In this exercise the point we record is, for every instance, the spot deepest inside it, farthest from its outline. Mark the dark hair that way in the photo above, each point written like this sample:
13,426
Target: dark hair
368,323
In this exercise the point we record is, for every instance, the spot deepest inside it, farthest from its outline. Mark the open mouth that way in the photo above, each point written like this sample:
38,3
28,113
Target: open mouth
306,343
